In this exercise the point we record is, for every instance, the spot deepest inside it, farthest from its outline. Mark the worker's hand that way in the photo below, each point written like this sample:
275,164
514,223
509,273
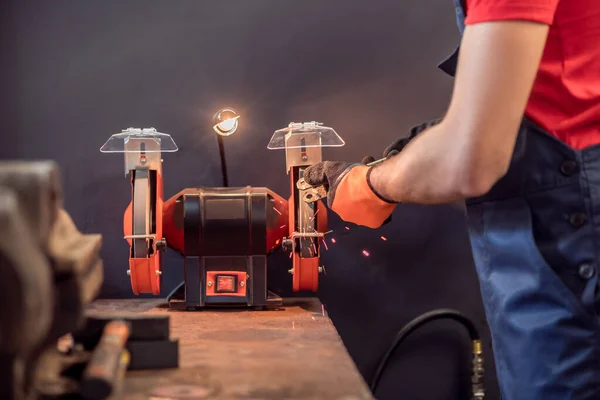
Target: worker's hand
349,192
397,146
367,160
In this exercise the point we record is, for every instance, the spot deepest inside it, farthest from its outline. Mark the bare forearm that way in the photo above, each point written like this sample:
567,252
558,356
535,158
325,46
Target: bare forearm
428,171
471,148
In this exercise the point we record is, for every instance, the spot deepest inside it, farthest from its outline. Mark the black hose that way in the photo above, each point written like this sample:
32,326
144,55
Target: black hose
416,323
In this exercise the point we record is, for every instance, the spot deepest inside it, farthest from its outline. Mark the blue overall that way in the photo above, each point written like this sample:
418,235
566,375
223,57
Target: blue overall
536,244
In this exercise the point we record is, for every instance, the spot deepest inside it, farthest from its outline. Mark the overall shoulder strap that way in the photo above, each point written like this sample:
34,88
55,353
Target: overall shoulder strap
449,64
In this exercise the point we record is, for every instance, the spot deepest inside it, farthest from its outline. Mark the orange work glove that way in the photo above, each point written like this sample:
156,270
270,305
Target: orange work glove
349,192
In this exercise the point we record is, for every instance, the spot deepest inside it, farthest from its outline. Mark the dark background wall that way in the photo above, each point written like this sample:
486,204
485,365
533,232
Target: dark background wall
74,72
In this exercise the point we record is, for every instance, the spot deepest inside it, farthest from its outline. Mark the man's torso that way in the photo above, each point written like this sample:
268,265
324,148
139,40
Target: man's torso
565,98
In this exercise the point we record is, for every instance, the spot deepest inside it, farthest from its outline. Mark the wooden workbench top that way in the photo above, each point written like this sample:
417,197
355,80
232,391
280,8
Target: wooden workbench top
292,353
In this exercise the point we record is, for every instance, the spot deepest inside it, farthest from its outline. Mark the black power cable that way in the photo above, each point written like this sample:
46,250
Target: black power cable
477,387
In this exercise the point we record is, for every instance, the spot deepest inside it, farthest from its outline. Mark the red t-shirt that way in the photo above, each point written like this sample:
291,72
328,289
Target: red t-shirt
565,99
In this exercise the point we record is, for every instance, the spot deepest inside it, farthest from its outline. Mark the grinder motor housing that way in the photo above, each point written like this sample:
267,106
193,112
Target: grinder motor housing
225,235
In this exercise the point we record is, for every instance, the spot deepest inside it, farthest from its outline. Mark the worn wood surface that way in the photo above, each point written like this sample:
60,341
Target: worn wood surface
291,353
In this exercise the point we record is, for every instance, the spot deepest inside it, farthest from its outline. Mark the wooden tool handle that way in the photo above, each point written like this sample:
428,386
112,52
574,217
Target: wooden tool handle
102,372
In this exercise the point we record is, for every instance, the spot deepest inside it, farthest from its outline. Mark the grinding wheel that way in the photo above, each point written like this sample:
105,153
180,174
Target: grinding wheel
141,212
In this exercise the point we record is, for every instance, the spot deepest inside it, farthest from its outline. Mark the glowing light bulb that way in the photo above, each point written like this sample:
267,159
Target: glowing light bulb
227,125
226,122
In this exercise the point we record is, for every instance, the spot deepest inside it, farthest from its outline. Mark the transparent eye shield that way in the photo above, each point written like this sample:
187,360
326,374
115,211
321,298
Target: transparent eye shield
147,140
305,135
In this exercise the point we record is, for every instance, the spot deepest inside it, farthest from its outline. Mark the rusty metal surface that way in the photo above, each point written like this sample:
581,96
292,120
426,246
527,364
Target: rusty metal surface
49,272
291,353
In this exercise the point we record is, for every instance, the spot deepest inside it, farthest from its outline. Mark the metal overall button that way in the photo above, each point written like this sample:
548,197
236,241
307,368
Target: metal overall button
577,219
586,271
568,167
